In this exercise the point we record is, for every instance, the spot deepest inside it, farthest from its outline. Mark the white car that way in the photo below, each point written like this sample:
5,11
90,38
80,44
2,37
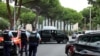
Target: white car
75,35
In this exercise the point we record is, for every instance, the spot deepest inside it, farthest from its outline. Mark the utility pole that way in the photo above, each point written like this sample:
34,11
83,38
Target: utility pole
14,16
90,19
84,23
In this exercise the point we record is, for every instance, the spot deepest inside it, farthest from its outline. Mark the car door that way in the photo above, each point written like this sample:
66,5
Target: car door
94,45
81,44
45,35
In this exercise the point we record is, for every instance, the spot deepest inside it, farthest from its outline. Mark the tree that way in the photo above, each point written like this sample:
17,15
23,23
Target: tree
3,10
34,5
96,5
11,18
86,17
4,24
41,18
69,15
51,8
47,8
27,17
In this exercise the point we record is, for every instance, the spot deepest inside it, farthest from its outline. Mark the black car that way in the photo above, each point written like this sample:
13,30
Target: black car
53,35
86,45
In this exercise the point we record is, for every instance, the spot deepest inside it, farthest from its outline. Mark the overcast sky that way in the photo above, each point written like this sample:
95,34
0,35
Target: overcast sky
74,4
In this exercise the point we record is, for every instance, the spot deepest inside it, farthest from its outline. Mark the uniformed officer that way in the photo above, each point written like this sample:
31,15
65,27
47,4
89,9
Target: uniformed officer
33,43
23,36
7,42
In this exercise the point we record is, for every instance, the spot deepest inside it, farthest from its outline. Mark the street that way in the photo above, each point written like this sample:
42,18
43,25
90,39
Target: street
51,49
60,27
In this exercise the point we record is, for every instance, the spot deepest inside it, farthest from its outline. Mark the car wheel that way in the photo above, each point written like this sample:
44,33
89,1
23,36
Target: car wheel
70,53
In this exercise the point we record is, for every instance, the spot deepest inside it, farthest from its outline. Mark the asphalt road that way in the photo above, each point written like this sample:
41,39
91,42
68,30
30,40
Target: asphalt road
51,49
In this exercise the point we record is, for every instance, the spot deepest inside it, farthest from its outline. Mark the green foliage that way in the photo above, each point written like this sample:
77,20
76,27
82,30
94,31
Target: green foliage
28,17
51,8
24,10
48,8
95,3
76,17
86,17
96,6
4,24
3,10
40,18
68,14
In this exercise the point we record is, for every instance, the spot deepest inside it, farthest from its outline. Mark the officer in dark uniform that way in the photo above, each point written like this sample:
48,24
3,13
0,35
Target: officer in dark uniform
23,36
34,39
7,42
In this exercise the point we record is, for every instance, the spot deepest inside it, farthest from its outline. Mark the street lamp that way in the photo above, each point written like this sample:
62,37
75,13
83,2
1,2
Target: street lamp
90,27
14,17
90,18
84,23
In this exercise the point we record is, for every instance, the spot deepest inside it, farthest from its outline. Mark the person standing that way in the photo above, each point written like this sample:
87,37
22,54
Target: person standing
34,40
7,35
23,36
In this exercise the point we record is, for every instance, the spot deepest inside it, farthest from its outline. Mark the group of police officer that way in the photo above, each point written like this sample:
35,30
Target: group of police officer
27,37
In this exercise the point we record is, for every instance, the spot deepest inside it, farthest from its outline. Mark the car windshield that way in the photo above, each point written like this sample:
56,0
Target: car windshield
60,32
46,31
95,41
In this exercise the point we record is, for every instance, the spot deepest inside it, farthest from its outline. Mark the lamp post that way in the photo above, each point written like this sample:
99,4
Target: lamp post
84,23
14,17
90,19
90,27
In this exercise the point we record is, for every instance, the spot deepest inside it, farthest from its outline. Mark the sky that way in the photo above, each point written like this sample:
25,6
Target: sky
77,5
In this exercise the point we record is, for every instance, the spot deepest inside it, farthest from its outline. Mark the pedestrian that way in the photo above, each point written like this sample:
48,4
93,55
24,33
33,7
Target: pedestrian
7,35
34,40
23,36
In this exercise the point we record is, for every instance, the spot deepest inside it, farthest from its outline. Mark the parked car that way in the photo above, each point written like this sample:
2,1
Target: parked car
90,31
76,34
51,33
56,35
85,45
15,44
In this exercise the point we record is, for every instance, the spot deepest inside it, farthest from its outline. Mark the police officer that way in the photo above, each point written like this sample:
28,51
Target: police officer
7,42
23,36
34,40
